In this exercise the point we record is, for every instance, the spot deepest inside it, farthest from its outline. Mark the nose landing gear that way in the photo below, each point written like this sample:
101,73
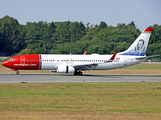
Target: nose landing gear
17,72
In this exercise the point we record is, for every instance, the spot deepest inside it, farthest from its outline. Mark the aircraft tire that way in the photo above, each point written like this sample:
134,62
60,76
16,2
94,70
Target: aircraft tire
78,73
17,72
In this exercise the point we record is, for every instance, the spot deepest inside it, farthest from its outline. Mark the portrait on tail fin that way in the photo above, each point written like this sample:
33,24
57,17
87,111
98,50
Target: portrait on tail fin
140,47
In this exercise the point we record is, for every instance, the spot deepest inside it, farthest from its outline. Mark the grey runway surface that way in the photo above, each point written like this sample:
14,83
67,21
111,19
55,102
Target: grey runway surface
32,78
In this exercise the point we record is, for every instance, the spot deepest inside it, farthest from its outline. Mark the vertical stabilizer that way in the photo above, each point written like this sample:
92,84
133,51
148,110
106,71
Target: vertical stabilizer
138,48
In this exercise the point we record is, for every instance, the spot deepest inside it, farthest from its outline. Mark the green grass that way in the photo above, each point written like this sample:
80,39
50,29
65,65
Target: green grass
140,97
1,66
145,66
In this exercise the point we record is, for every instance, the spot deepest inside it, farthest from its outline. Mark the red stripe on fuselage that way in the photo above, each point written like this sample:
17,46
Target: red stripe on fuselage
24,62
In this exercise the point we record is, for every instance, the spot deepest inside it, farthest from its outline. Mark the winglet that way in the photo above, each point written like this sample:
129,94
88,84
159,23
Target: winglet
85,52
113,57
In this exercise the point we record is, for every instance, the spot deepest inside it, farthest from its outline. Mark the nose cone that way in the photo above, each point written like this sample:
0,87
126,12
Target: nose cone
5,63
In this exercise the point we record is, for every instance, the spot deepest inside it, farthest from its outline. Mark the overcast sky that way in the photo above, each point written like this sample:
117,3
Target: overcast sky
144,13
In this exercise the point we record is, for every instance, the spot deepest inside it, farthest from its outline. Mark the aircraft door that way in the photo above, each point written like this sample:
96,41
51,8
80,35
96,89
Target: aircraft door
125,61
22,60
69,61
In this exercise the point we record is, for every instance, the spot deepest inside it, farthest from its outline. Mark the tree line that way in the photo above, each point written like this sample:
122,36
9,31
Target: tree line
71,37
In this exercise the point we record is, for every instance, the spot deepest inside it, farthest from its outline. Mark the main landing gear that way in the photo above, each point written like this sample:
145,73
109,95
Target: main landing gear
78,73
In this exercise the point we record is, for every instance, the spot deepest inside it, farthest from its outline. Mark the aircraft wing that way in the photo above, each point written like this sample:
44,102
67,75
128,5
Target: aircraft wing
89,66
85,66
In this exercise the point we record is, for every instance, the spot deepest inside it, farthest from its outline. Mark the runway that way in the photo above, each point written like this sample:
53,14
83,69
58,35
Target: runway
32,78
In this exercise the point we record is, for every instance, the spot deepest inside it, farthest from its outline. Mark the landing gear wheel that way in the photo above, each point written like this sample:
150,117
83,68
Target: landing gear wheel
17,72
78,73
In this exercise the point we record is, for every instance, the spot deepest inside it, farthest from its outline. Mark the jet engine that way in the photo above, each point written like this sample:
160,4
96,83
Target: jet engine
65,69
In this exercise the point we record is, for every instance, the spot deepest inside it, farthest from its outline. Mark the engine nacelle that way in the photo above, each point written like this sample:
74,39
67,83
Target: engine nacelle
65,69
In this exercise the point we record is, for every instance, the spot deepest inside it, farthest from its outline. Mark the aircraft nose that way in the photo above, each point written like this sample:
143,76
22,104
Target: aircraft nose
5,63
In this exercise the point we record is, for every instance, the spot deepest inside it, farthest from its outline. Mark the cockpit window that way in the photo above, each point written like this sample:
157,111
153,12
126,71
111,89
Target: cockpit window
11,59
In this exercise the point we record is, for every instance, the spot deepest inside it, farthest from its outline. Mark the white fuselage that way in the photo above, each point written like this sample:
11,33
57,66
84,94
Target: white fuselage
51,62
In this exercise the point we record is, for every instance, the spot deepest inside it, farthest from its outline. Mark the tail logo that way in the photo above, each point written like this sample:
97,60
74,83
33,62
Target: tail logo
140,47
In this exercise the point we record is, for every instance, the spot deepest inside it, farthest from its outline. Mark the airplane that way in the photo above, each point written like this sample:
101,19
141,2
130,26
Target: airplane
76,63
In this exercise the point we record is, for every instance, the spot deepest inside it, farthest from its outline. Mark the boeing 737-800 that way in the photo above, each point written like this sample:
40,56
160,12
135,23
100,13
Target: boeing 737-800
77,63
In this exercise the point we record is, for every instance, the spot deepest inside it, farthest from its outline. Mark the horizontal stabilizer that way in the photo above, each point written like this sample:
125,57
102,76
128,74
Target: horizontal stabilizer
145,57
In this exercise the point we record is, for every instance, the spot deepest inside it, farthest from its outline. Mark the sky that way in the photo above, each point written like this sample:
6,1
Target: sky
144,13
